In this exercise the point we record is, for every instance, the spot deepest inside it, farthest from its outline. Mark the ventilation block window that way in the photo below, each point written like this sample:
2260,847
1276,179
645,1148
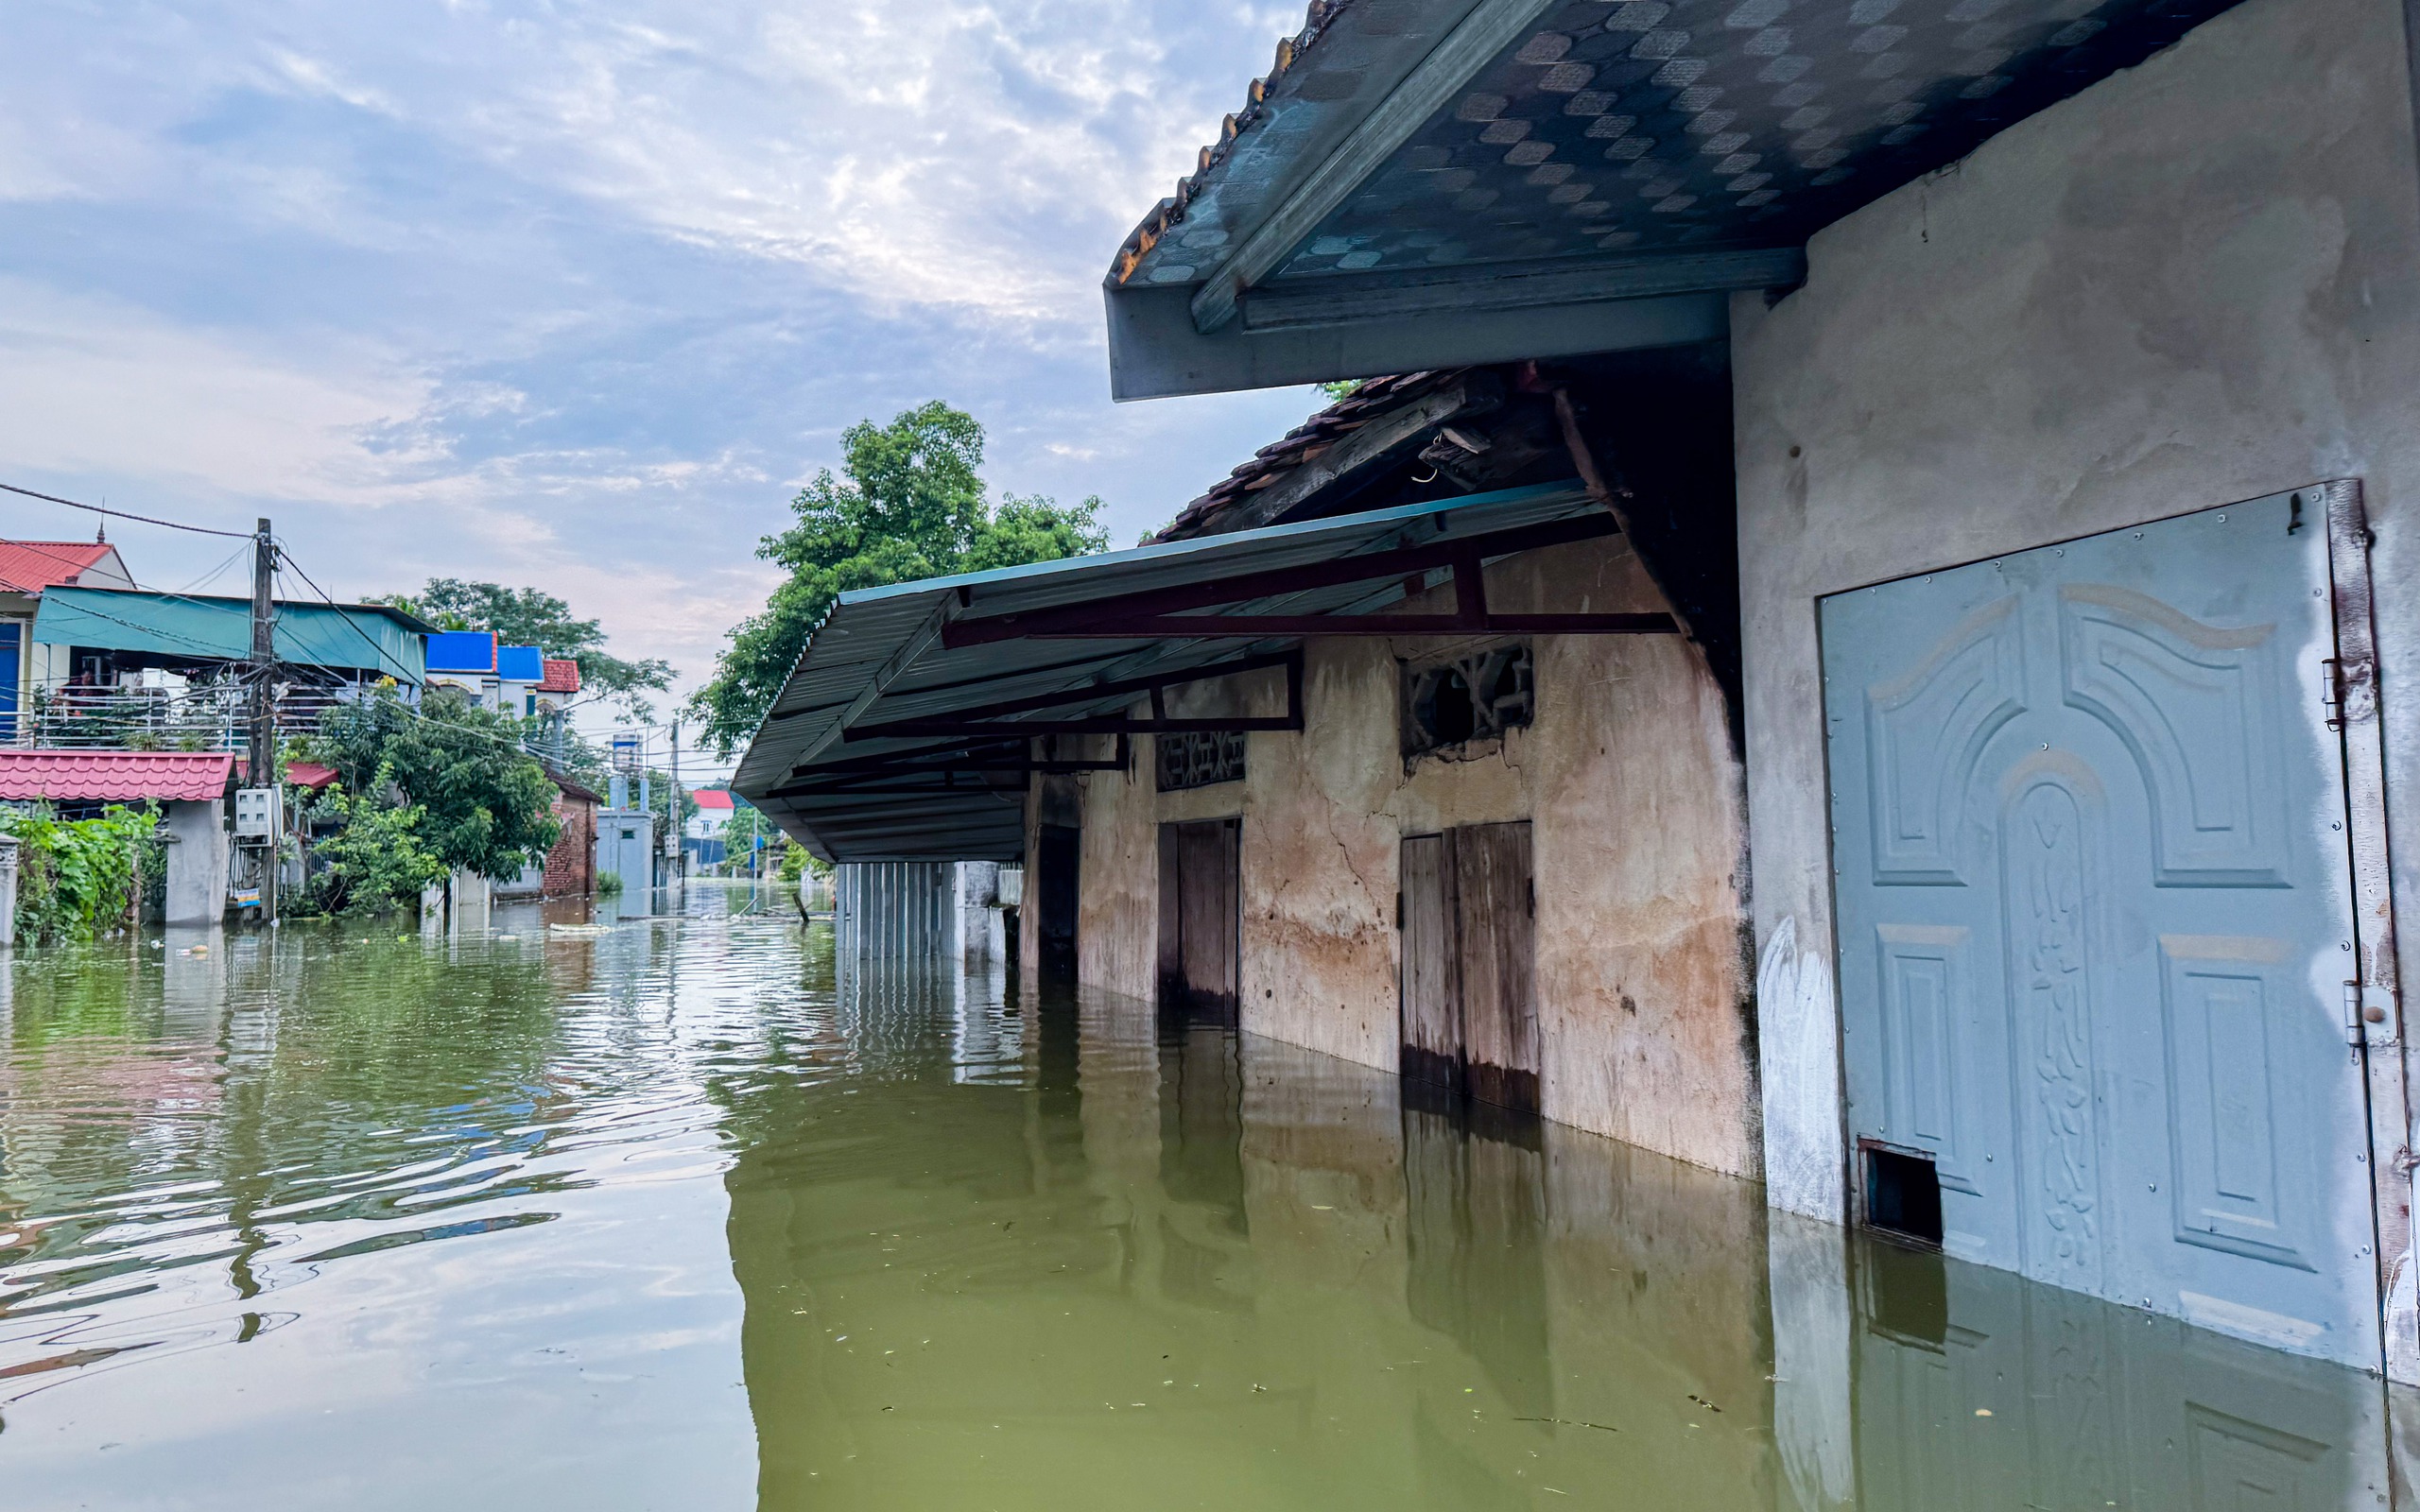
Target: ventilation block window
1475,696
1903,1195
1199,758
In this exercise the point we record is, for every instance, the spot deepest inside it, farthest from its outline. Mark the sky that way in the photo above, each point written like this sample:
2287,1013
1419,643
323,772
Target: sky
578,295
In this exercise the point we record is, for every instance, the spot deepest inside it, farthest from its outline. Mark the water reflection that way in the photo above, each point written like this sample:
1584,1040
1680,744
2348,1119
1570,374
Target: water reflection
680,1211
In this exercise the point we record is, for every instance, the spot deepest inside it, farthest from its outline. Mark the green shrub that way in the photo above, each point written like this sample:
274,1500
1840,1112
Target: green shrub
77,879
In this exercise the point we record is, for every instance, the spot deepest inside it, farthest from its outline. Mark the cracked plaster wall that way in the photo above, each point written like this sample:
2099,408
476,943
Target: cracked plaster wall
2195,283
1638,818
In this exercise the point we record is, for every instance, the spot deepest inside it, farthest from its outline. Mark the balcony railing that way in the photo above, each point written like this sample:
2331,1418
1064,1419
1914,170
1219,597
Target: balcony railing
140,719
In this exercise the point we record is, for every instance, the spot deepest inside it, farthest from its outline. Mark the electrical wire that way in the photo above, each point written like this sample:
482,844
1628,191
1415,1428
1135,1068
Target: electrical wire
121,514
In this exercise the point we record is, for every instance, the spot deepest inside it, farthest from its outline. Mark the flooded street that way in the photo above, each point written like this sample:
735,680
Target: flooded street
672,1215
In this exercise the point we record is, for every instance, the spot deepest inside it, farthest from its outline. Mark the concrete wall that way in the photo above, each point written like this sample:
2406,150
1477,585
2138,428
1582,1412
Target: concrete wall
1638,820
2198,282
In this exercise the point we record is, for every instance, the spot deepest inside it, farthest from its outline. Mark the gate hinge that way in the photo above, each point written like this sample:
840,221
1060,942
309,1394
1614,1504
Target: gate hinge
2372,1015
2405,1161
2351,694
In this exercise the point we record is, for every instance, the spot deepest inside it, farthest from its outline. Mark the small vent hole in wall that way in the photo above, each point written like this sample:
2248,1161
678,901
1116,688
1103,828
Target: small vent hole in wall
1903,1196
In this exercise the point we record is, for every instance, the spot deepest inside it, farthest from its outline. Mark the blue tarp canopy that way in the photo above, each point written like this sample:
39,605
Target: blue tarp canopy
180,627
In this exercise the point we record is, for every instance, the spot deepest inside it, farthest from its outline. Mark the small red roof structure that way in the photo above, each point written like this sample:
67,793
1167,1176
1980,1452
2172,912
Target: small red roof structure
309,776
711,798
115,776
30,566
563,676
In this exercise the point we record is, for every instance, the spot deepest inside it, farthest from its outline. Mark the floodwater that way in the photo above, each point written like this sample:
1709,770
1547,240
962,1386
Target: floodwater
670,1213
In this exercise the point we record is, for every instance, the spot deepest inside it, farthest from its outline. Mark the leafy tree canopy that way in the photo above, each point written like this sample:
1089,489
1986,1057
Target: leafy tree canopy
483,804
526,616
908,504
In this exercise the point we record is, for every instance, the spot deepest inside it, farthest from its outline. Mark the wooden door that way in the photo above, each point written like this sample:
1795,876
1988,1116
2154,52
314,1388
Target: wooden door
1493,894
1433,1013
1199,916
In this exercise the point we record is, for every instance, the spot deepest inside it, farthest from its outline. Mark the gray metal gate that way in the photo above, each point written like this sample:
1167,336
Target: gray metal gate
892,909
2095,921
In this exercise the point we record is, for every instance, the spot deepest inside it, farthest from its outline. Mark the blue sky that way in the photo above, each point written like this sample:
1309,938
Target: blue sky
576,295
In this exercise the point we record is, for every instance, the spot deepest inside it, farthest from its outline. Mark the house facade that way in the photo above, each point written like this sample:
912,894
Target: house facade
1893,521
27,569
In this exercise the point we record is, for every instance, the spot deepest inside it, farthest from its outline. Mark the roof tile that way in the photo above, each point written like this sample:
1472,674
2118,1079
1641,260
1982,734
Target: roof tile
115,776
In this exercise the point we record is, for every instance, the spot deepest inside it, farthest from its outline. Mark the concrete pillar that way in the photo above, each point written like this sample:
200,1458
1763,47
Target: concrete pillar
197,859
981,938
7,892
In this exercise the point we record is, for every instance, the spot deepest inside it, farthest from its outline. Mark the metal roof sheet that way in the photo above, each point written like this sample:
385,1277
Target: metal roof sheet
462,651
30,566
520,663
880,657
1570,155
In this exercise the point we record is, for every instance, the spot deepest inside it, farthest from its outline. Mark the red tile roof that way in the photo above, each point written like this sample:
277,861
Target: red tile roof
711,798
563,676
120,776
309,775
30,566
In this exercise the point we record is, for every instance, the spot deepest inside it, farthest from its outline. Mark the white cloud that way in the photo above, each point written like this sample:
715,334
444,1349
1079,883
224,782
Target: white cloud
92,385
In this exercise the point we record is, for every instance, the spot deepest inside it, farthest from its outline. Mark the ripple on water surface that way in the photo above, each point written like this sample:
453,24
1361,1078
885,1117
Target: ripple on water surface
673,1213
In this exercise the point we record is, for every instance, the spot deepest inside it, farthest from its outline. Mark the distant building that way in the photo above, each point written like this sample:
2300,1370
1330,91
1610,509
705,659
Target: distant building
705,836
571,866
27,569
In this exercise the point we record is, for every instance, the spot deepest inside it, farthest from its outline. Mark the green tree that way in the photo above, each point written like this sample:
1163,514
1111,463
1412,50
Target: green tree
526,616
485,806
376,863
908,504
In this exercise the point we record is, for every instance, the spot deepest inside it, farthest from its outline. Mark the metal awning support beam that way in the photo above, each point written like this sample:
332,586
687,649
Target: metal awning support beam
1151,683
1257,627
1080,620
1119,725
1346,298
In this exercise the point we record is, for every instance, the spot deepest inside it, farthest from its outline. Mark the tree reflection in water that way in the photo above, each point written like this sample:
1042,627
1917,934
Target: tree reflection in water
578,1220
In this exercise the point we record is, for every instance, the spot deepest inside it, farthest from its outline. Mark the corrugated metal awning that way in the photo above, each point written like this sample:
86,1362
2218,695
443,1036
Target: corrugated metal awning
180,627
1425,183
901,733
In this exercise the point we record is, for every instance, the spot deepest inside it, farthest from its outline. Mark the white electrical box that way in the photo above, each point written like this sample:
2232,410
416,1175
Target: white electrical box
256,813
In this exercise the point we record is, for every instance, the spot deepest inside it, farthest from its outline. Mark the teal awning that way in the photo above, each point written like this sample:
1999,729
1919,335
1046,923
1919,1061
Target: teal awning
177,627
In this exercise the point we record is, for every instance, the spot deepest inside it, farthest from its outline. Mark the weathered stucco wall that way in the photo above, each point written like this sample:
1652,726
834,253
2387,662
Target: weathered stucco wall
2195,283
1638,820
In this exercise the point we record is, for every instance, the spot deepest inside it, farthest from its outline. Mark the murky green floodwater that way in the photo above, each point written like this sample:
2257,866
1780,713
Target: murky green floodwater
668,1216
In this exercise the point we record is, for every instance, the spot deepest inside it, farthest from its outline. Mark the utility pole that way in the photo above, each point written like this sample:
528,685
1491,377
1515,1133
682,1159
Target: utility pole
679,841
264,741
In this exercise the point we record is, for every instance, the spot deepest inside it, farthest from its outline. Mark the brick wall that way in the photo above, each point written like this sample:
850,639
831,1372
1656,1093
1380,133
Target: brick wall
571,866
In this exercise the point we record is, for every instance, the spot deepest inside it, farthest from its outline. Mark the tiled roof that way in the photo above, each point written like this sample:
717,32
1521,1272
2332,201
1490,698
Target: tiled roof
563,676
711,798
30,566
1635,127
309,775
1303,444
120,776
572,789
1171,212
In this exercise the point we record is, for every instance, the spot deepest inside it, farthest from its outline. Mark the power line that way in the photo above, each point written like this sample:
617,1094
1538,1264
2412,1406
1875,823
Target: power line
121,514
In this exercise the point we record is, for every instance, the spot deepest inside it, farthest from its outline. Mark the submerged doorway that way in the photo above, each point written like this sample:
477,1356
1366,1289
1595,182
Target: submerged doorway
2093,901
1470,1019
1055,898
1201,918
